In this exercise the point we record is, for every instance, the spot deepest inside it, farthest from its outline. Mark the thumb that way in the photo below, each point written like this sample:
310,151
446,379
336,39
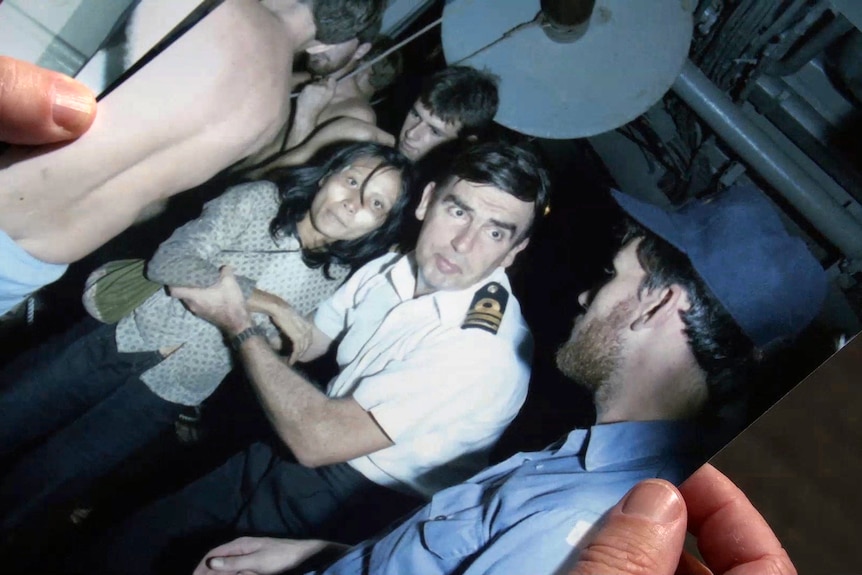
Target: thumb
235,563
225,272
386,139
38,106
642,535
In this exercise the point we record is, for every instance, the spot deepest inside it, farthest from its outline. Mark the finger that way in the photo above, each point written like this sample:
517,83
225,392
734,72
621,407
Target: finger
38,106
733,537
225,272
386,140
179,292
203,569
689,565
642,535
234,563
238,547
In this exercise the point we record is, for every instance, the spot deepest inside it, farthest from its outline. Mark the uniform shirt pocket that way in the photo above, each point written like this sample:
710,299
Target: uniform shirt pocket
452,538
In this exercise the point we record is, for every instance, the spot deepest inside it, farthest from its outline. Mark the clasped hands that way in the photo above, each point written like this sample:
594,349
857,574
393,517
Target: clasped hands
224,306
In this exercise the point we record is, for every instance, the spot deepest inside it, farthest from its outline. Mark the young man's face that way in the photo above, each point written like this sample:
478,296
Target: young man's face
422,131
594,350
468,231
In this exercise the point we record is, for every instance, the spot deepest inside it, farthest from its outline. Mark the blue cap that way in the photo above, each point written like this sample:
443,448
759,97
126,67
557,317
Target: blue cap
766,279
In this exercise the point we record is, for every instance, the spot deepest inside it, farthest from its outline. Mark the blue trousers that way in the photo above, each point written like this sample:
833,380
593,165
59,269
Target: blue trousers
70,412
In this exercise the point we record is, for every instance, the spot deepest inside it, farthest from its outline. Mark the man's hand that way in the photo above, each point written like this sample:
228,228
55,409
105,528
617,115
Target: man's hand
258,556
221,304
289,322
311,102
295,327
315,97
38,106
644,533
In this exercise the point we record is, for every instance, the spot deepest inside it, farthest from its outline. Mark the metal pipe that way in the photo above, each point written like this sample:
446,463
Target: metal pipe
823,38
758,150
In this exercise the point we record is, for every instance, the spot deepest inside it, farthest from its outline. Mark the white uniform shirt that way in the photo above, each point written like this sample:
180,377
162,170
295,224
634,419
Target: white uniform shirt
441,393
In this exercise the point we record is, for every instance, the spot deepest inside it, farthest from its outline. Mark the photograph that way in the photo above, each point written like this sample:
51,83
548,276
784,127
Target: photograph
430,286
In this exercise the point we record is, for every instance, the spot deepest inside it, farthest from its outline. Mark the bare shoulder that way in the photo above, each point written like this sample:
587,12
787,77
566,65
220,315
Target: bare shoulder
357,108
230,73
235,62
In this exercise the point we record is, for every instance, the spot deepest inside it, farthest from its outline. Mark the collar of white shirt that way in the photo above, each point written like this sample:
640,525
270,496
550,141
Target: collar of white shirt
451,305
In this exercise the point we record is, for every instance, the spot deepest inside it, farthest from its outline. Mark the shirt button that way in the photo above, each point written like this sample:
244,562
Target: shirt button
540,466
440,518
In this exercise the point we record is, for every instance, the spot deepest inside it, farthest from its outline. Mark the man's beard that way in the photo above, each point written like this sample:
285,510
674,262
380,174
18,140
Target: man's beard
323,66
594,353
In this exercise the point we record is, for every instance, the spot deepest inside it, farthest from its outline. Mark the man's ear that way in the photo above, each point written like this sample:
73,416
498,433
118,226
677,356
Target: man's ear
422,208
658,306
513,253
361,50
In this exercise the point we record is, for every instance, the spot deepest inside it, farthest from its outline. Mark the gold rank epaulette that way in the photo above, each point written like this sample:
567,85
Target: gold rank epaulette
486,311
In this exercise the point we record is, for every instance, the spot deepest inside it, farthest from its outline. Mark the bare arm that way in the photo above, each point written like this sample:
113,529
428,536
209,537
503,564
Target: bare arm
187,257
310,104
340,129
318,429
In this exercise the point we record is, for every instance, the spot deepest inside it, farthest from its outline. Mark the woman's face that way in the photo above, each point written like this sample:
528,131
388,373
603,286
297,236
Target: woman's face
347,206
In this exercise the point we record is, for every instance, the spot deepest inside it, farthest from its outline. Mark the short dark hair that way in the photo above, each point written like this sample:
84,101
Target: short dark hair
514,168
724,353
338,21
298,186
385,71
462,94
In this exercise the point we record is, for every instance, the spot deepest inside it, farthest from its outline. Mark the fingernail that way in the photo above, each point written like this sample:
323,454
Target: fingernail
216,563
655,501
74,105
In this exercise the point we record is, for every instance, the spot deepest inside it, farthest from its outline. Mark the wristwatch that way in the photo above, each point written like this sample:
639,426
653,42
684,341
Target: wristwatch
237,340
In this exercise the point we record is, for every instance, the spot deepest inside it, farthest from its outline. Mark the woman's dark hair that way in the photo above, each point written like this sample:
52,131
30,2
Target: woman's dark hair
298,186
724,353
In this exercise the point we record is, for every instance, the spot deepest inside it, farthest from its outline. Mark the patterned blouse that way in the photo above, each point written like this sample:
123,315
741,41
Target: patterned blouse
233,229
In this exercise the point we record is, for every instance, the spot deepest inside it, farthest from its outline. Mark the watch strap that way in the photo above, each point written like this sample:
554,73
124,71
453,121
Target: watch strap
237,340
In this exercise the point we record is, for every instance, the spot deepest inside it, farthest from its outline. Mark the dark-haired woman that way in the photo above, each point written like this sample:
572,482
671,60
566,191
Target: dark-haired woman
94,400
